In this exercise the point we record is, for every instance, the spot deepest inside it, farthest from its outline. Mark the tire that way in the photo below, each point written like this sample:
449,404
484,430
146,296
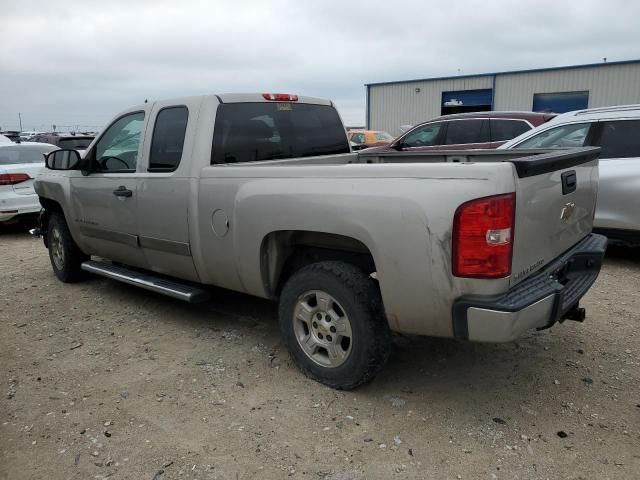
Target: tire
313,306
64,254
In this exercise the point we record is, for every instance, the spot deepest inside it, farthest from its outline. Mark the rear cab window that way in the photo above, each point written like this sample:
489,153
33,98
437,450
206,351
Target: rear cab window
251,132
167,142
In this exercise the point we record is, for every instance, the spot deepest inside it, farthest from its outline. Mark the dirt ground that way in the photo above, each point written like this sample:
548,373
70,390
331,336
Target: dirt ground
102,380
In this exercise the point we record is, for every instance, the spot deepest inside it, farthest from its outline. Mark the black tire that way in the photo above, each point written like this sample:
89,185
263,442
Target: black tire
359,298
66,260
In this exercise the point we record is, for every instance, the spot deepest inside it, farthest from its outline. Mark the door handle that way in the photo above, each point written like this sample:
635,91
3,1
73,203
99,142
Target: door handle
122,191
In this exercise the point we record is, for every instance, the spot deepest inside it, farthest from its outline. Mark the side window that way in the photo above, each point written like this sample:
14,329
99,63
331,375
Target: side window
502,130
572,135
168,139
620,139
467,131
358,138
117,149
424,136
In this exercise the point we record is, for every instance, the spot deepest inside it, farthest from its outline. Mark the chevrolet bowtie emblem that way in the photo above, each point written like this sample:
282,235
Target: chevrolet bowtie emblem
567,211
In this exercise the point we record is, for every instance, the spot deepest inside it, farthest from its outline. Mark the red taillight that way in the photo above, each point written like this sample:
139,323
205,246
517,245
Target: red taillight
483,237
13,178
280,97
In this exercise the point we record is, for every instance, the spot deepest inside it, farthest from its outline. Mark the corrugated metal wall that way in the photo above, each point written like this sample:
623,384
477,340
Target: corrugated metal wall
392,105
607,85
398,104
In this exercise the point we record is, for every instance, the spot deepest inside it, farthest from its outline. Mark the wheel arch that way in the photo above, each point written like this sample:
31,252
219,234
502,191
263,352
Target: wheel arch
48,207
284,252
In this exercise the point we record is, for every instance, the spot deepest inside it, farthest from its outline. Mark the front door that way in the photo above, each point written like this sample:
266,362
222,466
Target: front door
105,201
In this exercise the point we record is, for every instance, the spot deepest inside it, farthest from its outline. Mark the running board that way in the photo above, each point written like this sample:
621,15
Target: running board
181,291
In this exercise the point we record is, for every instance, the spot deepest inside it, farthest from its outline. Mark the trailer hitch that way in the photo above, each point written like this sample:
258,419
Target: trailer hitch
577,314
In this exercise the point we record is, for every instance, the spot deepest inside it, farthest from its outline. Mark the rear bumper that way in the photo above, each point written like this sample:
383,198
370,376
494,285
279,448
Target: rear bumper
620,236
13,205
549,296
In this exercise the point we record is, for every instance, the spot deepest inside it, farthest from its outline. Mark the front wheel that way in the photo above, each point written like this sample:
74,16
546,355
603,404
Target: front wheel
332,319
66,258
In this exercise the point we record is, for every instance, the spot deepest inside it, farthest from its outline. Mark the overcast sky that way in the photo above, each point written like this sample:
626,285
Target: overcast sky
71,62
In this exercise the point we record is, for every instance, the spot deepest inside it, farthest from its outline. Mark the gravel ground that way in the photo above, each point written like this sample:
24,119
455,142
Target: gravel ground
102,380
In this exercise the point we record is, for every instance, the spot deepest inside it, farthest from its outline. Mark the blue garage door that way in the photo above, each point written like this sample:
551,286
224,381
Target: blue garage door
560,102
466,98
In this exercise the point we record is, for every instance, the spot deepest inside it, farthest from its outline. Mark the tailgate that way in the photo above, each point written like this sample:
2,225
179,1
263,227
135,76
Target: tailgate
555,204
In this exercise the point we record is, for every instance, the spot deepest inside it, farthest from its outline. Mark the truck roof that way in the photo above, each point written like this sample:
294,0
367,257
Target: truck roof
245,98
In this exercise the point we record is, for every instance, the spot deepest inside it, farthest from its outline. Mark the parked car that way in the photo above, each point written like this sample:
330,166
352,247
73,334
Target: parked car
616,130
369,138
12,135
261,194
19,164
465,131
76,142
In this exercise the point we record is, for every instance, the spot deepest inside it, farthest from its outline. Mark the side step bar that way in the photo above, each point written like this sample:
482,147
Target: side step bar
148,281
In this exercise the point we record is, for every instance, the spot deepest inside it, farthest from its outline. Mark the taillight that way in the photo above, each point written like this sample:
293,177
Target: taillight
280,97
483,237
13,178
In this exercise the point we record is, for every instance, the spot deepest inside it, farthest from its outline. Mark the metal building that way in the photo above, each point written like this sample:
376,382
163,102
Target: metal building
558,89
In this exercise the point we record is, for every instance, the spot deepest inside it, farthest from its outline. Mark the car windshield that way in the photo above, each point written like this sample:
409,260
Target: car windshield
572,135
23,154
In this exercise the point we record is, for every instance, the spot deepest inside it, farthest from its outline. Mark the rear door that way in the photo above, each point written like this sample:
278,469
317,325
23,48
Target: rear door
619,185
464,132
554,210
105,201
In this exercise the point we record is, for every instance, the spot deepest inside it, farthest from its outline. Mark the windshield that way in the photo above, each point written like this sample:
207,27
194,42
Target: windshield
24,153
572,135
249,132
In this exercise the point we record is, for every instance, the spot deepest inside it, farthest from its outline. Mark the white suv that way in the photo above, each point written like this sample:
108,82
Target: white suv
616,130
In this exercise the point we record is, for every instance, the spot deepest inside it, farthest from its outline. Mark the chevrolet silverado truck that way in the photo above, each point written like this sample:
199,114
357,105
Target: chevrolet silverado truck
260,193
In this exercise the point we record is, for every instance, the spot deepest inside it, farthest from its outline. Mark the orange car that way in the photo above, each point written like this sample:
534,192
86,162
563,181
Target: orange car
369,138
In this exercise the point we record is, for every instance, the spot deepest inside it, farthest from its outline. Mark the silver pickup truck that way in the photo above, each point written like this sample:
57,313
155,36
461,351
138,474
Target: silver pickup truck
260,193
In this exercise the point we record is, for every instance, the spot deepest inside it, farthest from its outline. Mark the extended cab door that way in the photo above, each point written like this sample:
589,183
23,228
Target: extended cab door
105,201
164,188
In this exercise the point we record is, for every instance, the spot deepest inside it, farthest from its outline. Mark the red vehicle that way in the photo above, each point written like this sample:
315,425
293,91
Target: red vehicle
464,131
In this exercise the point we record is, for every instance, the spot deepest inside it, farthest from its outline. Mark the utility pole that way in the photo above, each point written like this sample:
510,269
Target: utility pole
20,120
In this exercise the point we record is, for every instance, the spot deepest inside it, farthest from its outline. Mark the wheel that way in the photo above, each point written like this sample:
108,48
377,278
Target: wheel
64,254
332,319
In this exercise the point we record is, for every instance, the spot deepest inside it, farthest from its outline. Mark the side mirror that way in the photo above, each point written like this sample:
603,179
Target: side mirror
397,145
63,160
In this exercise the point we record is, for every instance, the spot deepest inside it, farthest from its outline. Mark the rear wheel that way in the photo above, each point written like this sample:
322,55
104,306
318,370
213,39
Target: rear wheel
332,319
64,254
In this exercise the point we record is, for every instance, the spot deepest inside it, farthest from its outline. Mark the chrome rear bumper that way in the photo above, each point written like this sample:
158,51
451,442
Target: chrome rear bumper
549,296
